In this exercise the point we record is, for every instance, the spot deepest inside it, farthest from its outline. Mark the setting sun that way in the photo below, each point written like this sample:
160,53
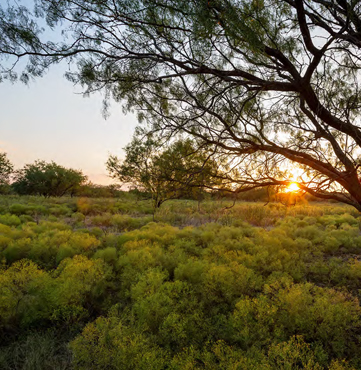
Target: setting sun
292,187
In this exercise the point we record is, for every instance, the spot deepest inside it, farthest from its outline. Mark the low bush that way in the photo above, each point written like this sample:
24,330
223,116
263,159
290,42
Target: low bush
251,287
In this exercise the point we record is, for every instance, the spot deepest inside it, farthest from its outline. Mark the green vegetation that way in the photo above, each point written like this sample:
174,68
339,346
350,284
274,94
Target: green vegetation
242,98
6,168
166,172
94,284
47,179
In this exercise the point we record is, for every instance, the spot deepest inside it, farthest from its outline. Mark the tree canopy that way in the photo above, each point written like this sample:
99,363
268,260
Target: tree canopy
6,169
269,84
166,172
47,179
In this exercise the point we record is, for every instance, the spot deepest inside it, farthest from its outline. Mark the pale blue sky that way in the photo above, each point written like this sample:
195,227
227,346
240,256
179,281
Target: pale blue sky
50,120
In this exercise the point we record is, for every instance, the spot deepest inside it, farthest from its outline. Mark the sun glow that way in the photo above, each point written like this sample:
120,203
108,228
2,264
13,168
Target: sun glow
292,187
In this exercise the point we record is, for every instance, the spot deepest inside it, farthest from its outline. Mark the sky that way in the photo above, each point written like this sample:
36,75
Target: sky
49,119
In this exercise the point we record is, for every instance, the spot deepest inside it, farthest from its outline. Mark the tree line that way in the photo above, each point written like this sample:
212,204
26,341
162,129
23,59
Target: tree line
149,169
49,179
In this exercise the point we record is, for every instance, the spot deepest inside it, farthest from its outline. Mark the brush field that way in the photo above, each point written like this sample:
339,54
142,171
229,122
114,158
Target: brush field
95,284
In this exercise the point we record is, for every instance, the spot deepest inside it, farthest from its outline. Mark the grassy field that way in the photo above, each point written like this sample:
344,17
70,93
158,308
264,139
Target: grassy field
95,284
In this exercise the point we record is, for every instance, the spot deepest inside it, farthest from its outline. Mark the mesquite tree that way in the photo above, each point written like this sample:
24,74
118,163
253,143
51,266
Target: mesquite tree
269,84
172,171
47,179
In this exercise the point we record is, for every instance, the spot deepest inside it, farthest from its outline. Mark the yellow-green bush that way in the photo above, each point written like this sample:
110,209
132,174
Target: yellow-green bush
22,294
80,280
108,343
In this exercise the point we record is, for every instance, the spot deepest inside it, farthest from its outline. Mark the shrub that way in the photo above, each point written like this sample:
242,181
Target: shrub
108,255
10,220
325,315
108,343
21,294
81,280
17,250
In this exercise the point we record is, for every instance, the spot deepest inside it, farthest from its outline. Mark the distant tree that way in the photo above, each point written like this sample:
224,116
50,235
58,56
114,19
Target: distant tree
6,169
47,179
178,170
